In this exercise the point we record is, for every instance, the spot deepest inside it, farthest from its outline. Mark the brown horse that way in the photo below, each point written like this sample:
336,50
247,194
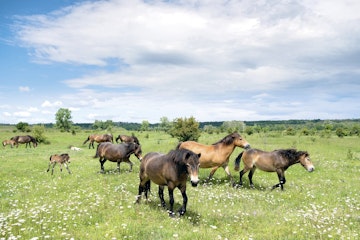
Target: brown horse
117,153
25,139
99,138
217,155
276,161
62,159
12,143
125,138
171,170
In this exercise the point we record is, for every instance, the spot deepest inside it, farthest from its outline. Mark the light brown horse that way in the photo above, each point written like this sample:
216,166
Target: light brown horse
62,159
12,143
117,153
108,137
25,139
171,170
217,155
126,138
276,161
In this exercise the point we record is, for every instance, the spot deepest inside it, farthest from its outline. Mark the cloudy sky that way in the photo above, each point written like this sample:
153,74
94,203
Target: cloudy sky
214,60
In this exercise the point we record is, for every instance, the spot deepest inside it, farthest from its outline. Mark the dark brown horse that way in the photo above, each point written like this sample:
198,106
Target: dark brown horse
99,138
62,159
12,143
25,139
126,138
117,153
276,161
171,170
217,155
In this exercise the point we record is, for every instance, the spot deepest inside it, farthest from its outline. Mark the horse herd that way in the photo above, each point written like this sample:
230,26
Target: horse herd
174,168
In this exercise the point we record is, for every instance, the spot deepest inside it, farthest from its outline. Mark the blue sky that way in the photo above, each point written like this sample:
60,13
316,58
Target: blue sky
214,60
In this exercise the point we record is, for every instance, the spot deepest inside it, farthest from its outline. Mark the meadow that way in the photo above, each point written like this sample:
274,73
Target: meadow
34,204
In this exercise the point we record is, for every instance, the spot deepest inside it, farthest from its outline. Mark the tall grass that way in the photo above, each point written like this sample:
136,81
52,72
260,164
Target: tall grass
34,204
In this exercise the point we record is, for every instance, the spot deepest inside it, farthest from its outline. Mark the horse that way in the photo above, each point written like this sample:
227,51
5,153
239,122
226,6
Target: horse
117,153
125,138
12,143
108,137
216,155
276,161
171,170
62,159
25,139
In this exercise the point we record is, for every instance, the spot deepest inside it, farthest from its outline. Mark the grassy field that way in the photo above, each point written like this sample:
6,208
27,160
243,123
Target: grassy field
34,204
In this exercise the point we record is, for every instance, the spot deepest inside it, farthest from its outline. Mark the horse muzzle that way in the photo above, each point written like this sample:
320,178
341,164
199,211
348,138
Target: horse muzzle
247,146
311,169
194,181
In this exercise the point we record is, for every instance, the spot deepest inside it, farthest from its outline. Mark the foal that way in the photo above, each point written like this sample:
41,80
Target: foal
61,159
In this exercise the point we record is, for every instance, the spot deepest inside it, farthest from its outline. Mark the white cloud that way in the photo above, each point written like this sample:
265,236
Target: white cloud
24,89
214,59
47,103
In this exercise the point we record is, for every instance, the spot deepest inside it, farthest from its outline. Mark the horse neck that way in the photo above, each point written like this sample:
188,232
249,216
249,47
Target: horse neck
229,148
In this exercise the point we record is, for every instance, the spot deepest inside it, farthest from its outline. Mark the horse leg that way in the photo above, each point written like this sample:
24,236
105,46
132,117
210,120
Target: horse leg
130,163
67,168
102,161
118,166
182,210
171,201
242,172
161,196
251,174
227,170
48,167
282,179
52,170
213,170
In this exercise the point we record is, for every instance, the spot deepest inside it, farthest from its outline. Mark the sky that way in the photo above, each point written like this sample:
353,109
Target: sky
214,60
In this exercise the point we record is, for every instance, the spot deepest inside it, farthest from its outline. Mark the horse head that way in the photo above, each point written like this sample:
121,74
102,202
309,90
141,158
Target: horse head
192,163
306,162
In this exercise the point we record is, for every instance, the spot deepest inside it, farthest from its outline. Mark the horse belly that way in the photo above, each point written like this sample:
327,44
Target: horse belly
266,166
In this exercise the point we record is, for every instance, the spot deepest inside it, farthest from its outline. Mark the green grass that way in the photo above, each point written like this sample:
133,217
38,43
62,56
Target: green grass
34,204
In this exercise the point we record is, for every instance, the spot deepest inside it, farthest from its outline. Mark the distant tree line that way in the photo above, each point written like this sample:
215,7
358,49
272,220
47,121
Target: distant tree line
190,129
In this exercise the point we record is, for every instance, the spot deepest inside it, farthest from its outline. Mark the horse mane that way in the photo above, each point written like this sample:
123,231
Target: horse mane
178,155
291,154
227,140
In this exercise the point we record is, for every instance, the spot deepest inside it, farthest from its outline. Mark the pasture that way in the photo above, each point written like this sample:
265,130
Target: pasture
34,204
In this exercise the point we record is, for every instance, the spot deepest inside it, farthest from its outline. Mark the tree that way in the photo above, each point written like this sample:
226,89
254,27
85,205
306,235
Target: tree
165,124
23,127
63,120
38,134
185,129
100,125
145,125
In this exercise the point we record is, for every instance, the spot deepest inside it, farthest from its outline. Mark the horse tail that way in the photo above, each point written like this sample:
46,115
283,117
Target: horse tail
87,140
178,146
237,162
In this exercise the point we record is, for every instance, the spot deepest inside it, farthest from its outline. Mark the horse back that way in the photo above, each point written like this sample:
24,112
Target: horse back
157,168
265,161
211,155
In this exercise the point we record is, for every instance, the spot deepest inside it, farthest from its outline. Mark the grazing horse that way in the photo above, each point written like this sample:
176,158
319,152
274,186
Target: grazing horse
25,139
9,142
171,170
117,153
125,138
61,159
216,155
99,138
276,161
